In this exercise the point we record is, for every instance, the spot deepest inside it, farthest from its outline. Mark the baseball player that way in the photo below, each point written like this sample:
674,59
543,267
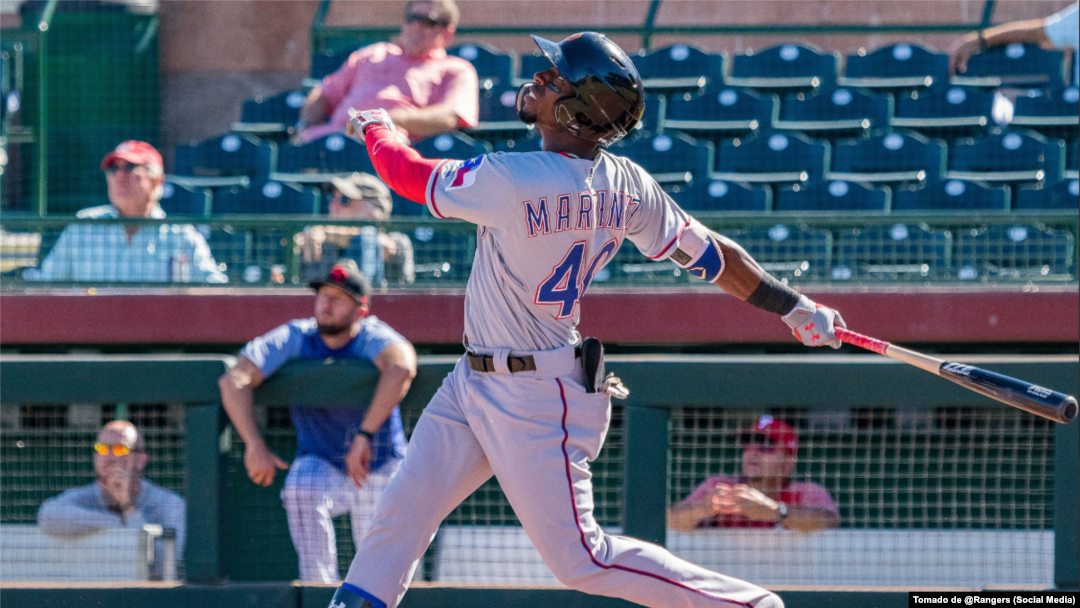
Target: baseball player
345,456
529,401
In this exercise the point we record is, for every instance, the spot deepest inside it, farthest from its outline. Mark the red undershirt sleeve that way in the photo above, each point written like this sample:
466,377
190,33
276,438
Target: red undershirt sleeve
401,167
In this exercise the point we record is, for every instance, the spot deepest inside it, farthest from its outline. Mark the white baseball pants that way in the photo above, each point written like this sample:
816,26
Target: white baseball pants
315,492
536,432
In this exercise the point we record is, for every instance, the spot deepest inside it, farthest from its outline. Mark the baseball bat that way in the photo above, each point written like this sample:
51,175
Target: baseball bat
1029,397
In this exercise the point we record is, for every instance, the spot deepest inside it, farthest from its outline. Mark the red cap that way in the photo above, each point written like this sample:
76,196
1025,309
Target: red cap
134,152
778,432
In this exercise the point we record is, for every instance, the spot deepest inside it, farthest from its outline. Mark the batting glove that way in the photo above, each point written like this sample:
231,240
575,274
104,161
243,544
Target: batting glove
814,324
360,121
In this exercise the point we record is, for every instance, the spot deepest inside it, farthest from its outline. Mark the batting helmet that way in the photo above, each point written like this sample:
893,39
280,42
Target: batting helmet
609,98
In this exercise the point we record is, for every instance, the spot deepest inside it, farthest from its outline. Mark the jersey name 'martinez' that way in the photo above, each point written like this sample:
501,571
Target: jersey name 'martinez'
587,211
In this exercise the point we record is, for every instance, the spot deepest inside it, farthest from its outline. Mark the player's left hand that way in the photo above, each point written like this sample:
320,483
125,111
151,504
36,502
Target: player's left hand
358,460
741,499
360,121
814,324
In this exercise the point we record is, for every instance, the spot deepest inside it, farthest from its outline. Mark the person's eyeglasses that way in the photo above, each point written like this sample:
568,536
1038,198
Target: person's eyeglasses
114,169
117,449
759,442
425,21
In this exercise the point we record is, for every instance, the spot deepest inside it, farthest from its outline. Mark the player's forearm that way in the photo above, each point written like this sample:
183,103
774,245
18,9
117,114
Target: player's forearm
810,519
1030,31
425,122
392,387
239,403
742,274
401,167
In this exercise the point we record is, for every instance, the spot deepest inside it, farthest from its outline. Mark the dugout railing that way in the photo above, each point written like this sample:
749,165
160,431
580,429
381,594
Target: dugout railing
801,248
648,442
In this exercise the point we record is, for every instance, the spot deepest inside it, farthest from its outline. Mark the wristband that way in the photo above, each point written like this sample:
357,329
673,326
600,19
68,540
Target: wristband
773,296
982,40
369,436
782,511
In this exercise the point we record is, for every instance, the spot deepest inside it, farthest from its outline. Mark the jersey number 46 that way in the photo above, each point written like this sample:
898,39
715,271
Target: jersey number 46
566,284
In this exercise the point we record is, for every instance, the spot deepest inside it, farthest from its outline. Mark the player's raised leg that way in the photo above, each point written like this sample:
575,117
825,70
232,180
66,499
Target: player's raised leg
555,502
444,464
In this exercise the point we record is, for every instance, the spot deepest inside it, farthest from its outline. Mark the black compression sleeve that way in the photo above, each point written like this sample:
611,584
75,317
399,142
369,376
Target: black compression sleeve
773,296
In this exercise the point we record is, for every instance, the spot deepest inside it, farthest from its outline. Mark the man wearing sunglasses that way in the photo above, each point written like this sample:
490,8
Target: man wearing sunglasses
122,253
120,498
764,496
426,91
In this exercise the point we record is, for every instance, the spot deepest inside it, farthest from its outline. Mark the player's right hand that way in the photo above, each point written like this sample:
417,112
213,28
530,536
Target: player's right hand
814,324
360,121
261,464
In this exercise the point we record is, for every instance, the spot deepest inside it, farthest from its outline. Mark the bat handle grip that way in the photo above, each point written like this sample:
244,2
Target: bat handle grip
871,344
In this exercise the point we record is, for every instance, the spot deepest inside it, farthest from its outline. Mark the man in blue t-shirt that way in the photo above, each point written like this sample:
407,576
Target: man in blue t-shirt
345,456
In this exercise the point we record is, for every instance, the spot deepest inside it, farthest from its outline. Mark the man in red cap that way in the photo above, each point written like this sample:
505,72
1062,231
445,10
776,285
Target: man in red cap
764,496
114,252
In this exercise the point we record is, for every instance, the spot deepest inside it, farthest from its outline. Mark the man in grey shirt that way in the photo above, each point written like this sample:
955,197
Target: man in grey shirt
120,498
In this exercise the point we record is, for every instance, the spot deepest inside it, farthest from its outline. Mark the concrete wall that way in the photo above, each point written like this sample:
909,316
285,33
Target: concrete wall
214,55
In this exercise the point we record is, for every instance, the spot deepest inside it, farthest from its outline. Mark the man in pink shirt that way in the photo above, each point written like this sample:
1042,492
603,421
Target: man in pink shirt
764,497
425,91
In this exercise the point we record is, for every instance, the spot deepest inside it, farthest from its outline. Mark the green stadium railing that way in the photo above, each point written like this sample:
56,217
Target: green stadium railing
711,383
970,249
336,38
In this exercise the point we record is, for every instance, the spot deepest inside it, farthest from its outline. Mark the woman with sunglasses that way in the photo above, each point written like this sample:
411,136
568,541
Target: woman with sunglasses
764,496
426,91
120,498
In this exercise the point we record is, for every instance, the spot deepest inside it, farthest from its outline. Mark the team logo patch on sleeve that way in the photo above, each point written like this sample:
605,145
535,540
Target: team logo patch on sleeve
465,174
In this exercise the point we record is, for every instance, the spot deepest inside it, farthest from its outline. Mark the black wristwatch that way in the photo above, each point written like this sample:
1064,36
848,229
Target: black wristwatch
781,510
371,436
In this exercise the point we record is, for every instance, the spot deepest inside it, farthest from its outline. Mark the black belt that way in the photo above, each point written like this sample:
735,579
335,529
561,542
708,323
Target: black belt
486,363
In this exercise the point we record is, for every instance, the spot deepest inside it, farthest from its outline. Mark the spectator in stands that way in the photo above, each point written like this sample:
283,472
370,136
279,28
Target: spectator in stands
120,498
386,257
764,496
425,91
113,252
1059,31
345,456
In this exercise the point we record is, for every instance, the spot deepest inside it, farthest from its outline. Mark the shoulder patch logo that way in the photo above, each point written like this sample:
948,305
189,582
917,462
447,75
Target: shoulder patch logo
465,174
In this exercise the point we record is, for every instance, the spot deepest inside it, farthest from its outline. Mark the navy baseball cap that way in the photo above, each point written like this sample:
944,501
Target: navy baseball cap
346,276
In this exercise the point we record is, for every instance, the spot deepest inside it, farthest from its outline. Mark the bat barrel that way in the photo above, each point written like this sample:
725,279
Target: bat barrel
1032,398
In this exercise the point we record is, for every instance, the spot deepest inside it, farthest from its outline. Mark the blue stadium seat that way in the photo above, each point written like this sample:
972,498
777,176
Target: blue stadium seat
718,195
679,68
530,66
941,109
269,198
316,162
888,158
525,143
898,252
788,66
652,118
441,254
1062,195
1012,156
498,111
833,112
493,68
1014,65
223,161
670,159
836,195
721,110
950,195
178,200
451,145
1052,112
1021,251
271,116
772,157
788,251
1072,160
898,66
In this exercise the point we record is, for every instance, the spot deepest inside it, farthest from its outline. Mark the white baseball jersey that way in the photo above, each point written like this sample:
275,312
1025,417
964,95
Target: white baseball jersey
535,261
